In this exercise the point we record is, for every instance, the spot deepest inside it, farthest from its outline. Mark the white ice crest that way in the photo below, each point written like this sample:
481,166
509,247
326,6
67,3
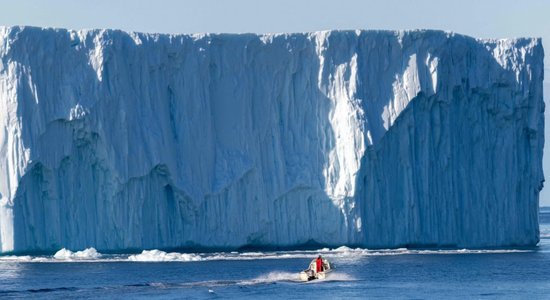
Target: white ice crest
77,112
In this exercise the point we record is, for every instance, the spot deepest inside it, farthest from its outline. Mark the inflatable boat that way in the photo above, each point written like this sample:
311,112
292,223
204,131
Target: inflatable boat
312,273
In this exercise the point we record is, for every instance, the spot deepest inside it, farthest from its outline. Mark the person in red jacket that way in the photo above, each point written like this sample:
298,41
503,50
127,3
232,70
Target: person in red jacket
319,265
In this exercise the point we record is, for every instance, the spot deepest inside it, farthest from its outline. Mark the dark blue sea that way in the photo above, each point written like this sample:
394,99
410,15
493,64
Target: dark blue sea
359,273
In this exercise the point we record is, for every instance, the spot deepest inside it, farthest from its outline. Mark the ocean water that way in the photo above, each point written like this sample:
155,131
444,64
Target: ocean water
359,273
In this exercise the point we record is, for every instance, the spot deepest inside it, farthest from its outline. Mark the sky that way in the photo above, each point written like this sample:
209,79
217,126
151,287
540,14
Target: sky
478,18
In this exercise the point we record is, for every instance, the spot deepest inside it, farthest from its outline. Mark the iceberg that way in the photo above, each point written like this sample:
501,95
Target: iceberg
380,139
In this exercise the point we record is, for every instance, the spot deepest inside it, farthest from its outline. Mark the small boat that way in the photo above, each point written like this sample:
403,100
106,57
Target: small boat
311,273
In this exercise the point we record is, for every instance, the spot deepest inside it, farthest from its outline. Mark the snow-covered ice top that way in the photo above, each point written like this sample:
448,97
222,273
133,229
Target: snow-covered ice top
120,140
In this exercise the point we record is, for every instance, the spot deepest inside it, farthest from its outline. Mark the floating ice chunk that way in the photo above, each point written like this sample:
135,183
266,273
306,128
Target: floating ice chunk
65,254
157,255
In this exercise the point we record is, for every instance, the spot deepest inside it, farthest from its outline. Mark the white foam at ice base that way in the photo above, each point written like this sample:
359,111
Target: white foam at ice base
86,254
157,256
341,253
23,258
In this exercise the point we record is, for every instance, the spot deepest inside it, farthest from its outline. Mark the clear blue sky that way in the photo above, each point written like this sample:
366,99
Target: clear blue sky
478,18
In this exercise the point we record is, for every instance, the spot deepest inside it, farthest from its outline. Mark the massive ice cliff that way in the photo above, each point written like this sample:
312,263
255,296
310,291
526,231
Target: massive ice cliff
119,140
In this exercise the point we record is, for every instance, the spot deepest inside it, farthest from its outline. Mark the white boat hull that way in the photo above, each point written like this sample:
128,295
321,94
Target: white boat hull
311,274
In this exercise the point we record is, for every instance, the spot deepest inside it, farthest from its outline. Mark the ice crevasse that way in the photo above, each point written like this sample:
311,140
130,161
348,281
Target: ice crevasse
380,139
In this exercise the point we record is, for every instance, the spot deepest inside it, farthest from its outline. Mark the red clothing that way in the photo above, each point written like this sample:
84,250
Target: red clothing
319,265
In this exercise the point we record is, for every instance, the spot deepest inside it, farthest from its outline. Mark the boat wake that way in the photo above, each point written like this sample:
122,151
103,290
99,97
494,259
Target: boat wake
212,285
272,277
276,277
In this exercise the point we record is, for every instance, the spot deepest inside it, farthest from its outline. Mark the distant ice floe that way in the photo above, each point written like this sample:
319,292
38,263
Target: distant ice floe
341,253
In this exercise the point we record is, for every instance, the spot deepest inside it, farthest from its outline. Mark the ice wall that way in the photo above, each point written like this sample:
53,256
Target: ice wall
119,140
